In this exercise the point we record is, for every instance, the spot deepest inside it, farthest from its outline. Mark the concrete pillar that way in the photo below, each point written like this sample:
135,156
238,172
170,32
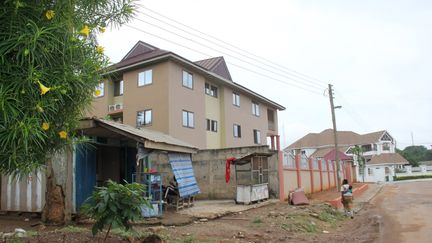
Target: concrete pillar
278,142
408,169
423,169
280,171
272,142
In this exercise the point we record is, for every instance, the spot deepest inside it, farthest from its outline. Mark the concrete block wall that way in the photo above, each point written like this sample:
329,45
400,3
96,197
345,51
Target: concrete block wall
209,167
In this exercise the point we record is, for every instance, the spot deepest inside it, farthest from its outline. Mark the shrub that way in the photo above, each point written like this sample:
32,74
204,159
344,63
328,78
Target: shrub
115,205
402,178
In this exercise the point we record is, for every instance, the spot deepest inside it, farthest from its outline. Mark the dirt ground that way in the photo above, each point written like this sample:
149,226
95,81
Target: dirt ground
278,222
406,211
274,222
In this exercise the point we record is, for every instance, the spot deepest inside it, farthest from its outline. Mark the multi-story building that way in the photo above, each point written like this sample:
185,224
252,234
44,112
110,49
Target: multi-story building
196,102
378,150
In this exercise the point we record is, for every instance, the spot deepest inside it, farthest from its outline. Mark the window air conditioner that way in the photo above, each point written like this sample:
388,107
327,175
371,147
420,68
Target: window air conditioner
111,108
118,106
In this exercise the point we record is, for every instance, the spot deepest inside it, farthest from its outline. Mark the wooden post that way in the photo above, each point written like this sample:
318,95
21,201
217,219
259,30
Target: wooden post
330,90
320,173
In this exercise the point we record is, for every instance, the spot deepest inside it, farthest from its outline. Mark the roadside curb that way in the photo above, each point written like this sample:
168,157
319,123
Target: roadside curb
356,192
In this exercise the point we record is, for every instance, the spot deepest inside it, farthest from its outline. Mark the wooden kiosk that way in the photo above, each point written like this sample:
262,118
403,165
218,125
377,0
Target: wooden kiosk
252,177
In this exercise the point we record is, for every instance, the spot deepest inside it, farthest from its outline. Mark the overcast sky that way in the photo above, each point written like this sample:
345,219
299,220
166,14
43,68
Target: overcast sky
377,54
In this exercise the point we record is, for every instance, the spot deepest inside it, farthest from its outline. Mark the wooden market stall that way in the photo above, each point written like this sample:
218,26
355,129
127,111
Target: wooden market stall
252,177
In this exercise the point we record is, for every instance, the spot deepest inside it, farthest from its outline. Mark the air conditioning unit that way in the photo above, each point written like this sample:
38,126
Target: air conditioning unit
115,107
118,107
111,108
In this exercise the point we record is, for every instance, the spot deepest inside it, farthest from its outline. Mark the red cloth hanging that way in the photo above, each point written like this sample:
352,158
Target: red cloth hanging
228,168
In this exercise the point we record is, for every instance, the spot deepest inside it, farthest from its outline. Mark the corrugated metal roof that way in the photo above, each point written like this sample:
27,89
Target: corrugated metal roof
210,63
144,133
387,158
158,54
216,65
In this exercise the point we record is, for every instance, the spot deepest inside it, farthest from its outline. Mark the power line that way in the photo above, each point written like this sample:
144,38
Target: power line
351,111
233,64
278,66
240,59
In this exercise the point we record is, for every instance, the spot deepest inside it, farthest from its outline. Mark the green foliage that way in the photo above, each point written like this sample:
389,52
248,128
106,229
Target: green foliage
416,154
49,68
257,220
403,178
115,205
73,229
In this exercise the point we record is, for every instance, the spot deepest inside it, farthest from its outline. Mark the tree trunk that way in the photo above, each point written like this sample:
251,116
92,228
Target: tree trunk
54,210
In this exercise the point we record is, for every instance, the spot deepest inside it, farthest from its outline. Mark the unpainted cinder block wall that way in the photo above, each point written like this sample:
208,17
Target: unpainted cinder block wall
209,167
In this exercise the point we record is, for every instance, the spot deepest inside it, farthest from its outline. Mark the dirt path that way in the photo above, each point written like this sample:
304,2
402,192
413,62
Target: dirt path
406,211
400,212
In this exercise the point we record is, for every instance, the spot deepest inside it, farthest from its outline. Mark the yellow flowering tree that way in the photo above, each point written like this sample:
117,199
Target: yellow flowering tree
50,64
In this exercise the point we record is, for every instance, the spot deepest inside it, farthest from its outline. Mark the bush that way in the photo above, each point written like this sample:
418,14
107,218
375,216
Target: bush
115,206
403,178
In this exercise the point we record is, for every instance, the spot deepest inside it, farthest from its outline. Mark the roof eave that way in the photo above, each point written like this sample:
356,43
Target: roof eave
201,69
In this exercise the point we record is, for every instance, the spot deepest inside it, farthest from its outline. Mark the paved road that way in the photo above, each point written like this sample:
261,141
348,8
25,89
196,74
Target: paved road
406,210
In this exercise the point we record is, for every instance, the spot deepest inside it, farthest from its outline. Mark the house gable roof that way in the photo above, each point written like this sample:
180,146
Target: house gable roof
387,158
324,139
143,55
216,65
345,139
138,49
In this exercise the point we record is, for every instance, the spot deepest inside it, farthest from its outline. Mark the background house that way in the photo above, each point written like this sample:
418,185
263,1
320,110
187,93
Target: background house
197,102
378,152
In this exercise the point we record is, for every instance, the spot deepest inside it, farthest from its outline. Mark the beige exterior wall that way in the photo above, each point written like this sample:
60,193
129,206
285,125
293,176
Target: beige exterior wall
243,116
99,106
152,96
212,111
182,98
167,98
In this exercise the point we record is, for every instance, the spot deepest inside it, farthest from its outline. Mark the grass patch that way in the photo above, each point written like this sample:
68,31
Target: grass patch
257,220
73,229
192,240
130,233
402,178
310,228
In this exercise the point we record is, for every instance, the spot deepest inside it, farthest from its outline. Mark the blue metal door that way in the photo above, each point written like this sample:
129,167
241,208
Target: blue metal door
85,173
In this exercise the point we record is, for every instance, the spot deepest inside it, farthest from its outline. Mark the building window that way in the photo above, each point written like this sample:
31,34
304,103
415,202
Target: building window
236,99
386,147
188,119
366,148
257,136
211,125
237,131
370,171
118,88
255,109
187,80
211,90
144,118
145,78
100,90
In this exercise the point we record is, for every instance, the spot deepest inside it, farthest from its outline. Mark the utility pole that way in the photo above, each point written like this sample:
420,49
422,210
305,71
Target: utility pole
338,183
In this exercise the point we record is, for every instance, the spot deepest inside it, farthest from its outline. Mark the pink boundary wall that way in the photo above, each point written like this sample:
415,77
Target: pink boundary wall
320,178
